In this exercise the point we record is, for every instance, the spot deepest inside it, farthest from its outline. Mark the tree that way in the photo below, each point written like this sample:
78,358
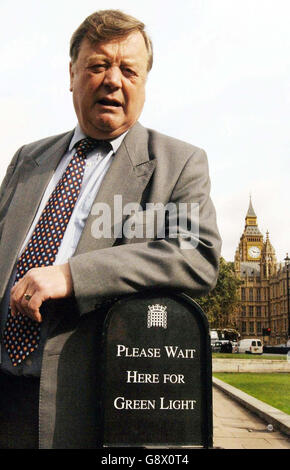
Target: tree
221,304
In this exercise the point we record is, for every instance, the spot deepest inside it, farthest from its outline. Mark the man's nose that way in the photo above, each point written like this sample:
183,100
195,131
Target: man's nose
113,78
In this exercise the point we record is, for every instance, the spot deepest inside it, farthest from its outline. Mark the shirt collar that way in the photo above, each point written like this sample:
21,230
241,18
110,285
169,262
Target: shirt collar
78,135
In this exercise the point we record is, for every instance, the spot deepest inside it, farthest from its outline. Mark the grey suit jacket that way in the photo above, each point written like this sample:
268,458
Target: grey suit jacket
148,168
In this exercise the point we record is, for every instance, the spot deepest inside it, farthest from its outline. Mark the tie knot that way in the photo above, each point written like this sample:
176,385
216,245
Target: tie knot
84,146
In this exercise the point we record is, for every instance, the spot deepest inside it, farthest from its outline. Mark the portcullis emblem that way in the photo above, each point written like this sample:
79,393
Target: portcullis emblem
157,316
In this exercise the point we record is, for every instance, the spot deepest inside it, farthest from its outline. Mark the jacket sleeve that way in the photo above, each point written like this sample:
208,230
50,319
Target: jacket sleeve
187,262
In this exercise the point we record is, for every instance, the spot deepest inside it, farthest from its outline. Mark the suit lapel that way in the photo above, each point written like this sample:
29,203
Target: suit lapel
126,179
35,173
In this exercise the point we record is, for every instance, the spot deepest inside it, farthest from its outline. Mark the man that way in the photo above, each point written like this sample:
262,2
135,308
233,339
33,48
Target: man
57,273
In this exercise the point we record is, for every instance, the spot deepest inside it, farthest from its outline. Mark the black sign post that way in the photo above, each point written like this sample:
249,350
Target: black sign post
157,373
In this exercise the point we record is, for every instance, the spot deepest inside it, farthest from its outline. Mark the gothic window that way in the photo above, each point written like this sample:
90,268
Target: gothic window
258,294
244,327
259,327
251,327
244,310
243,293
258,310
251,310
251,294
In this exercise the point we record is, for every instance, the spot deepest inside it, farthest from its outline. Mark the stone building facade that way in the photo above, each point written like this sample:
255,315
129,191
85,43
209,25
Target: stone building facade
263,291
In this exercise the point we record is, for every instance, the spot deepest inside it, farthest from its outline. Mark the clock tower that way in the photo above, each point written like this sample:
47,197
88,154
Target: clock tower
263,287
251,241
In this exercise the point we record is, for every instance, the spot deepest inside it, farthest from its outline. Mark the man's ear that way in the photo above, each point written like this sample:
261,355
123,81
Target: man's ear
71,74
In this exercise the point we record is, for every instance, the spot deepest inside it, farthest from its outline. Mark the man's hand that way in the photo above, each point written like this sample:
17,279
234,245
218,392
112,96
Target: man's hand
51,282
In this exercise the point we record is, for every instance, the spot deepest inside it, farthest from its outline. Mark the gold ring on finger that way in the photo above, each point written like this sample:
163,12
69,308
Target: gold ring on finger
27,297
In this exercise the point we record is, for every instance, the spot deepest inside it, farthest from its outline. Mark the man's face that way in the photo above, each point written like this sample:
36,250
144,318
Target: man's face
108,84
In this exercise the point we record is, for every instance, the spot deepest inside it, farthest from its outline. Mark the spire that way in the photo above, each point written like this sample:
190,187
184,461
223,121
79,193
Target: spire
268,247
269,257
251,212
251,221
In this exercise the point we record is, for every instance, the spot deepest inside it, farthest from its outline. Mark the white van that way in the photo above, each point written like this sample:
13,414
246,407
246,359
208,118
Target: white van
250,346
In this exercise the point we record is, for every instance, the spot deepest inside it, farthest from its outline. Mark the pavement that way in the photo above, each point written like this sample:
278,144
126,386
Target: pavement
236,427
250,365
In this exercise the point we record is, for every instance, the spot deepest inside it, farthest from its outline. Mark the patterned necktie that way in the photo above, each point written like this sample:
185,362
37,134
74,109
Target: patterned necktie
22,334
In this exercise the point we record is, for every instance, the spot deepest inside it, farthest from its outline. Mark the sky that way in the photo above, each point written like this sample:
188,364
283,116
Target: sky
220,80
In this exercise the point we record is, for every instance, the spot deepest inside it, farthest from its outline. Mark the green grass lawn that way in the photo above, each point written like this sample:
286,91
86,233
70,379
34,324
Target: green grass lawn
276,357
273,389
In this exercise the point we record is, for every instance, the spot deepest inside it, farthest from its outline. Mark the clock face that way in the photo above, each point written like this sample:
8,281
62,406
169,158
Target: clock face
254,251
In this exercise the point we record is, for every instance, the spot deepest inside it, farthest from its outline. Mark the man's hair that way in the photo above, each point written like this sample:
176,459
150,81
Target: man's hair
107,25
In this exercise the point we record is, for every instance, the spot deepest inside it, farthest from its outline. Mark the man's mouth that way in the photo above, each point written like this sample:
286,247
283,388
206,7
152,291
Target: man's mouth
109,102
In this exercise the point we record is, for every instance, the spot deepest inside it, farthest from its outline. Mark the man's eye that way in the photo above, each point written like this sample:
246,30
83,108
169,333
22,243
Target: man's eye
98,68
128,72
